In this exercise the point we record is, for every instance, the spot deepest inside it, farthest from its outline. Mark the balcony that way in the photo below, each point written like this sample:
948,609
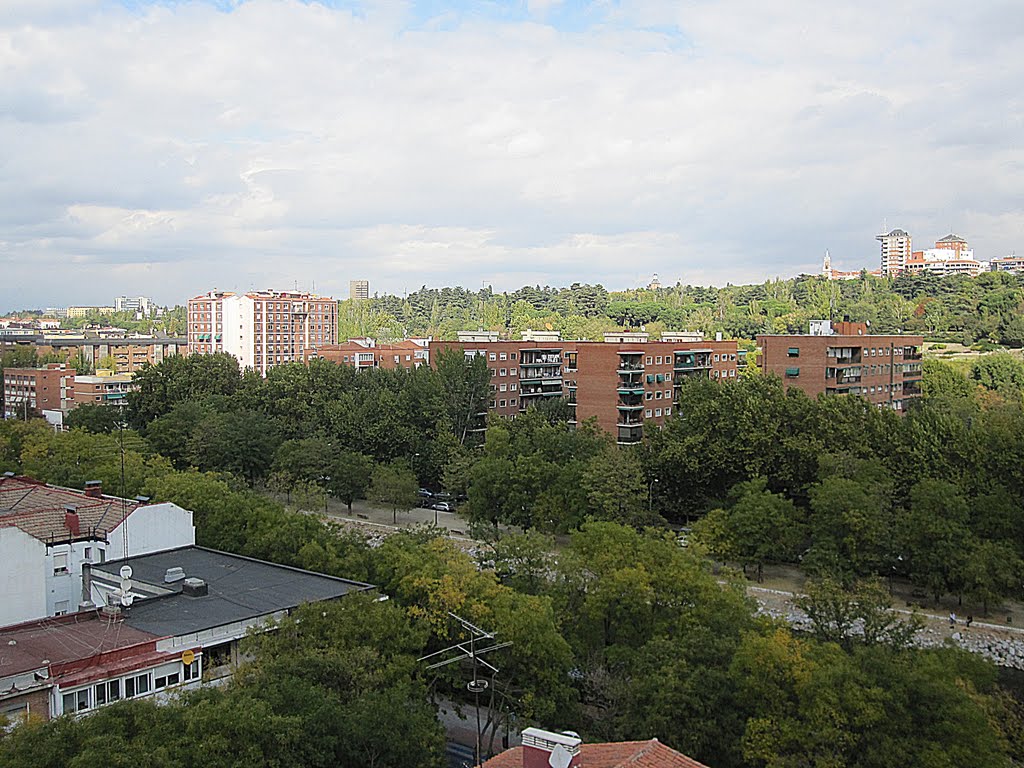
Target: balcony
630,435
692,360
625,367
631,389
541,378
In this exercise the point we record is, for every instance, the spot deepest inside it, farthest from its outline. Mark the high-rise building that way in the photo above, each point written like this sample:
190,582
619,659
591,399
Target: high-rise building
261,328
359,289
142,306
841,358
896,252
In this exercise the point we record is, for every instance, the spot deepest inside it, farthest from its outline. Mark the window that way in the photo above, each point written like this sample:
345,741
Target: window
512,386
658,359
503,356
504,372
513,372
191,671
668,411
794,351
76,701
60,563
716,358
648,413
648,395
501,403
103,556
657,395
650,378
649,359
60,607
511,355
792,372
504,387
107,692
657,411
512,401
165,680
492,356
732,374
136,686
88,554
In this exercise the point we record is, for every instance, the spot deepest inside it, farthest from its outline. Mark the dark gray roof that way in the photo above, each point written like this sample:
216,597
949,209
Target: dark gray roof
951,238
240,588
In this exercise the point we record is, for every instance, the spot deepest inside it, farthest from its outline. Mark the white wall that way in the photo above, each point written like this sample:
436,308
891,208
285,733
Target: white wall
238,328
153,528
22,577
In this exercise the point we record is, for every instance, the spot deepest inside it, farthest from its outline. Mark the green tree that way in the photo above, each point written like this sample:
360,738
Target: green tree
94,417
350,475
861,613
396,486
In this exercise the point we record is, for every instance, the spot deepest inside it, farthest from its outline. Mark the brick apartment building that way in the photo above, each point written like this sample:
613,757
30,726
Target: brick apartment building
105,388
842,358
623,382
261,328
129,353
366,353
30,391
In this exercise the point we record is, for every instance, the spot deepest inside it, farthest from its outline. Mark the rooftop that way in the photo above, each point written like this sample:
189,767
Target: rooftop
239,588
622,754
57,640
39,509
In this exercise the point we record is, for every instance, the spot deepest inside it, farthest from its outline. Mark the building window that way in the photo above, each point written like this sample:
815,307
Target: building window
191,671
60,607
492,356
657,395
648,395
648,413
512,386
657,411
668,411
501,403
503,356
658,359
504,387
76,701
716,358
513,371
794,352
512,401
165,680
88,554
136,686
504,372
107,692
792,372
649,359
60,564
511,355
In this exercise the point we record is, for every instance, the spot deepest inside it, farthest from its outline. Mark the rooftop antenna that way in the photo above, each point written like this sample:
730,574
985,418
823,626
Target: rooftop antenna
468,650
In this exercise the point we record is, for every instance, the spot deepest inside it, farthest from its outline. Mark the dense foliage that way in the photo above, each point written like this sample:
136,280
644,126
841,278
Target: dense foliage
959,308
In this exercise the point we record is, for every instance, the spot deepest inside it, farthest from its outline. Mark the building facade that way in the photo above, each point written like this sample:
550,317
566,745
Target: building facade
366,353
1007,264
623,382
896,252
359,289
30,391
845,359
105,388
261,329
128,353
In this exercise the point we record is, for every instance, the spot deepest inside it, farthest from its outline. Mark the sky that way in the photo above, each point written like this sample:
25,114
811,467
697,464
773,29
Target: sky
169,148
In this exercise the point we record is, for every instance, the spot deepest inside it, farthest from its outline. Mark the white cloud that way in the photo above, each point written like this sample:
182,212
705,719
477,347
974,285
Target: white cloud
177,147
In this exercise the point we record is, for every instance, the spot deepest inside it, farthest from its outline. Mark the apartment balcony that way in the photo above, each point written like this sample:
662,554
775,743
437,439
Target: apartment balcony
630,435
540,374
631,389
911,388
628,419
692,360
681,376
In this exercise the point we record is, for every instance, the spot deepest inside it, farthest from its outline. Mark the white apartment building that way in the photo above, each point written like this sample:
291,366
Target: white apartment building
261,329
48,533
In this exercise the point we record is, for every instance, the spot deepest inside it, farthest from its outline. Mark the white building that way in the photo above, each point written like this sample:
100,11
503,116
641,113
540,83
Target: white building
262,329
48,533
141,306
896,251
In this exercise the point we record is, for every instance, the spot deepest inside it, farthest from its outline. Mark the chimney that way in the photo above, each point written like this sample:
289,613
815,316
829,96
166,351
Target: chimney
545,749
94,489
71,521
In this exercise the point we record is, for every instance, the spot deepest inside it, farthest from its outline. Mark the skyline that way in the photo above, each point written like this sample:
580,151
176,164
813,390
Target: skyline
166,148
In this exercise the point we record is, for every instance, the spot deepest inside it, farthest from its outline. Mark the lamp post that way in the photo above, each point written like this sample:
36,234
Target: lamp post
650,494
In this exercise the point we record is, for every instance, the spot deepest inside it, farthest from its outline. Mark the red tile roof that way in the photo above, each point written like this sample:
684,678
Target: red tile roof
620,754
38,509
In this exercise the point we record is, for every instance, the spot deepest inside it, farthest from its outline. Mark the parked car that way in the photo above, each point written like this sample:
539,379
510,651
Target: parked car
424,493
443,506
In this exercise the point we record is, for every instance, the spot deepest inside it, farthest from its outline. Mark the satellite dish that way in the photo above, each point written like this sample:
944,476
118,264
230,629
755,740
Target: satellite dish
560,757
126,586
126,571
127,600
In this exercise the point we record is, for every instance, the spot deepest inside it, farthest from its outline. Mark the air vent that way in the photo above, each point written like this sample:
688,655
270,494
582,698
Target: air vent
194,587
174,574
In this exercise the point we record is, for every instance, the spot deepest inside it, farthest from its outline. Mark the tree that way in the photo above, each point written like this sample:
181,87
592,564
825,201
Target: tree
349,477
935,536
395,485
860,613
93,417
616,490
991,571
240,442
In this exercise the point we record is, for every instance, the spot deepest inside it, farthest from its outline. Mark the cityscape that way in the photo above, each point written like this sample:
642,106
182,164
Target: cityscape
545,384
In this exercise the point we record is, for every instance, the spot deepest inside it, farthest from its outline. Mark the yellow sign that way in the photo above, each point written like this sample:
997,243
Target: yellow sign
187,658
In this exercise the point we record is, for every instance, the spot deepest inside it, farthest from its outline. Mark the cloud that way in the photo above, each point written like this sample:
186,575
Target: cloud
165,148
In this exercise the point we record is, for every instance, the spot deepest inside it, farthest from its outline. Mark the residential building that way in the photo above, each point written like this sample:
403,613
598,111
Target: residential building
129,353
366,353
48,534
896,251
169,621
30,391
623,382
543,749
140,306
359,289
261,328
105,388
1011,263
845,359
950,256
76,312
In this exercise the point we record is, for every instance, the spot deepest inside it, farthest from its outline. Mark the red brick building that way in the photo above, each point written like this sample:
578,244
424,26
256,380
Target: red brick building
542,749
845,359
30,391
622,381
366,353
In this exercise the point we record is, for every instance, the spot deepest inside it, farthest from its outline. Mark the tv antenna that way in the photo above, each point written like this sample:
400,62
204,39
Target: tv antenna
467,649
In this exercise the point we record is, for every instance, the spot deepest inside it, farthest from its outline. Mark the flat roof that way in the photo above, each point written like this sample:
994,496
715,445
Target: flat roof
57,640
239,588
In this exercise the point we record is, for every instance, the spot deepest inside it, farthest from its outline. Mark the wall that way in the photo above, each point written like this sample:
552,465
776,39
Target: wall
153,528
22,580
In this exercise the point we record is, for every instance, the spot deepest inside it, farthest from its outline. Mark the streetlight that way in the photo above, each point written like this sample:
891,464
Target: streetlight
650,494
